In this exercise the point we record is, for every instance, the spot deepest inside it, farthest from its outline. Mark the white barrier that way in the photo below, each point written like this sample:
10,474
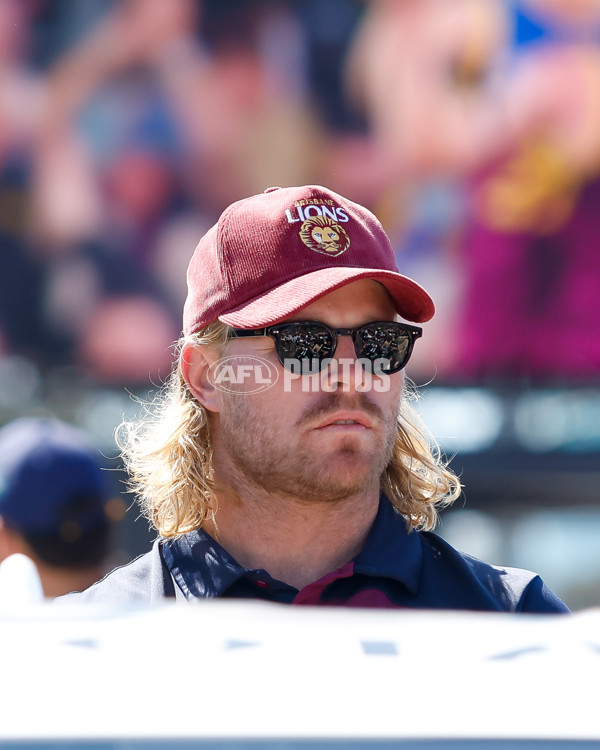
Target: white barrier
238,669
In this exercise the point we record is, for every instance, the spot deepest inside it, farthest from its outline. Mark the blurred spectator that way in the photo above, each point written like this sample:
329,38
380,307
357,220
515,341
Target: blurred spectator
127,340
55,506
106,181
408,59
155,118
21,99
536,210
504,97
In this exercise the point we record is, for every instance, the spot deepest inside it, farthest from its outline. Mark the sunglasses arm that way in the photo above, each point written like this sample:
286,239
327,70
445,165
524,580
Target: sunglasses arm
247,332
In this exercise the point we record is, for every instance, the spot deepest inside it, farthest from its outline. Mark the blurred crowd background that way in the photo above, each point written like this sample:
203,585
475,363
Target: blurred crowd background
470,127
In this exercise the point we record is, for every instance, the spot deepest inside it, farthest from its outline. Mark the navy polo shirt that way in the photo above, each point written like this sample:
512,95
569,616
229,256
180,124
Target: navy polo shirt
397,567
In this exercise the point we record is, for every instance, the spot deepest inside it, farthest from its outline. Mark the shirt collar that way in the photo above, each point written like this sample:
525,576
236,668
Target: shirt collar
391,550
202,568
199,565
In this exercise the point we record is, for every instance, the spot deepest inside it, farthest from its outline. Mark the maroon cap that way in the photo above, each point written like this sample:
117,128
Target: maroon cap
274,253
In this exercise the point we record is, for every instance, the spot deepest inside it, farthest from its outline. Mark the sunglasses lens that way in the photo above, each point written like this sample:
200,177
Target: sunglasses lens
386,341
306,347
307,343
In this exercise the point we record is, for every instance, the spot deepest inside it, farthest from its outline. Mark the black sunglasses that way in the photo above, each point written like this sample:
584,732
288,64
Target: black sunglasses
312,343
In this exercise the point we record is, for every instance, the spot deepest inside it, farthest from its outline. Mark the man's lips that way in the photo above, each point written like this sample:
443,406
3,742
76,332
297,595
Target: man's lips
345,419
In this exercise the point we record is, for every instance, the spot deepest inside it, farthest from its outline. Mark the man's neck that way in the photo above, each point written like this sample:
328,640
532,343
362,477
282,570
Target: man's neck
295,541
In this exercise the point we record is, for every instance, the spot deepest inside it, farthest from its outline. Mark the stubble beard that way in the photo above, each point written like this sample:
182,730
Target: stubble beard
263,460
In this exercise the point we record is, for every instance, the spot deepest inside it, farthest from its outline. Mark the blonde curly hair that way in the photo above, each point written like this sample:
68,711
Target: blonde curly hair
167,453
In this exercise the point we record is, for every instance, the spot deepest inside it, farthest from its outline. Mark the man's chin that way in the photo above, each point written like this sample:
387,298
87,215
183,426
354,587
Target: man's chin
343,475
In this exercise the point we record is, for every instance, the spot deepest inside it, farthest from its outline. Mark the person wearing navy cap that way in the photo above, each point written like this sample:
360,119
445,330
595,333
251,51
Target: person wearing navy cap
53,502
283,460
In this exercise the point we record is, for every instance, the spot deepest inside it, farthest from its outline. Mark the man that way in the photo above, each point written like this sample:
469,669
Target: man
282,461
53,503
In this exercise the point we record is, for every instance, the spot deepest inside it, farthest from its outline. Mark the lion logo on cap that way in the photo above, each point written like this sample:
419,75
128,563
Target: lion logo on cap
325,236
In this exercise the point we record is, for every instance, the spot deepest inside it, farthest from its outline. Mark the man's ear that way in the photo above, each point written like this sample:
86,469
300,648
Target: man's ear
195,363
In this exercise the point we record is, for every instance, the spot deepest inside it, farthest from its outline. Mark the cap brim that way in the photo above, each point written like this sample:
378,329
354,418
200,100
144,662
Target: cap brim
411,301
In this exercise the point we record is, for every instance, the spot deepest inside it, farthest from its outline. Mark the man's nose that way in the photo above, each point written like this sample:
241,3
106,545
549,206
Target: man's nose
345,372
